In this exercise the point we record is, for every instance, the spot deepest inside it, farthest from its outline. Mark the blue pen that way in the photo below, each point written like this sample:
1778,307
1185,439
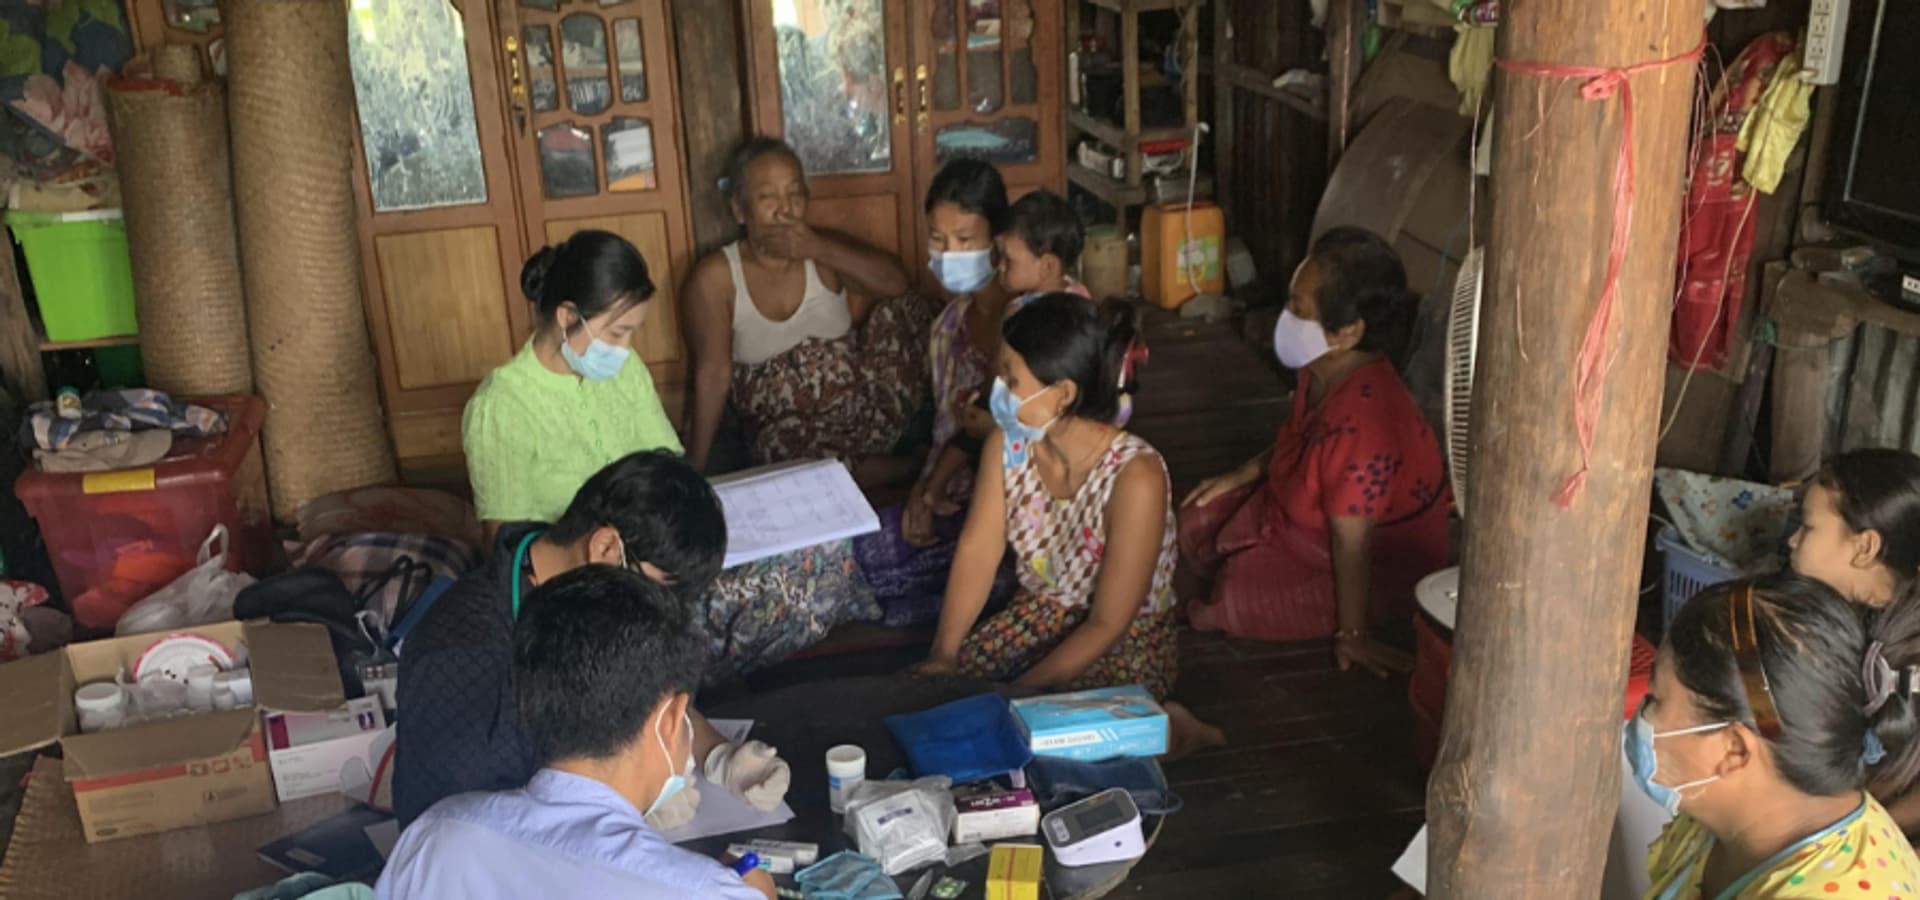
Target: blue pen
747,863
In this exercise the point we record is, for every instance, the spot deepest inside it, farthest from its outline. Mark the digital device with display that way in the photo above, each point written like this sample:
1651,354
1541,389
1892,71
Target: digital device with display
1103,828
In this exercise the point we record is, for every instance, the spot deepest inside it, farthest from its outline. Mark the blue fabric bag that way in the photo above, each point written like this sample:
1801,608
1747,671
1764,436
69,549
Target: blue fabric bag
967,740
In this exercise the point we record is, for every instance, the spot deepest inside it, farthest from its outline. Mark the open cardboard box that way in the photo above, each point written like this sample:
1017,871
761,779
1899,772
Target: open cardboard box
169,774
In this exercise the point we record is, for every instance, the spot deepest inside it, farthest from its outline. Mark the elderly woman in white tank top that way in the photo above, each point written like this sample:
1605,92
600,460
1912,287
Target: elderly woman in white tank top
811,373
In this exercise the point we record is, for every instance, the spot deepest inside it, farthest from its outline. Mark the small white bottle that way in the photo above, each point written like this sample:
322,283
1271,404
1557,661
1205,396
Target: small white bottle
846,769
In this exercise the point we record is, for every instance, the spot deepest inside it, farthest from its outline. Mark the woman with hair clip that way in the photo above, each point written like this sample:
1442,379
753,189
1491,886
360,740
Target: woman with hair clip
572,400
1775,705
1086,508
1326,533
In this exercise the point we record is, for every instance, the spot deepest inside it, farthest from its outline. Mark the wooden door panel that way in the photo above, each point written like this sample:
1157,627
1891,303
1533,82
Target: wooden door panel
658,341
452,326
433,434
872,218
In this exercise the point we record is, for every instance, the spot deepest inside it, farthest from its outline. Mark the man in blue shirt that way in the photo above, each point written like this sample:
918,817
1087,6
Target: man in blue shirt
648,511
603,663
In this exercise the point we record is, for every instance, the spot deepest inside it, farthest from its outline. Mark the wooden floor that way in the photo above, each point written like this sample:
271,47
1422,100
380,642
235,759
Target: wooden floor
1317,793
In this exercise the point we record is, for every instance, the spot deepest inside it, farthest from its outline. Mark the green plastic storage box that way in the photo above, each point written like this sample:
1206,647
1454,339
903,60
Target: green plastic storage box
80,270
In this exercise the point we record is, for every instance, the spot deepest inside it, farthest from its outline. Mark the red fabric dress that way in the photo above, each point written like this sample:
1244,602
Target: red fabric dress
1365,451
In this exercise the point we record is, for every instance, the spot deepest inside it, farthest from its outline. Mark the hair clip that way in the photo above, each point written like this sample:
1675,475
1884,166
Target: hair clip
1136,355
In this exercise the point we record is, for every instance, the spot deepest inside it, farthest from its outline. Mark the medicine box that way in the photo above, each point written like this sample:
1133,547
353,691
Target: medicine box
1094,725
995,816
308,751
1013,872
171,773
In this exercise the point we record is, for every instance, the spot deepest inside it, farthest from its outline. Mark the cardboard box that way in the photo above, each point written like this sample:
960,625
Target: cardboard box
308,751
1094,725
177,772
1013,872
995,816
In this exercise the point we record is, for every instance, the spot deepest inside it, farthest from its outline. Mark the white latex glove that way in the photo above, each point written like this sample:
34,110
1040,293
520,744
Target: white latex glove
753,771
677,811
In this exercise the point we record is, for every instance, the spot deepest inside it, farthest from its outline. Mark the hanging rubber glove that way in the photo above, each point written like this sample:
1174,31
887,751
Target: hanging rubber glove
753,771
677,811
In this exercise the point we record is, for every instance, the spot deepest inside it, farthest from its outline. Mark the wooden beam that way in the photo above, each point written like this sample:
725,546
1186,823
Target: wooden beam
20,367
1223,108
1522,799
1346,27
1130,91
712,121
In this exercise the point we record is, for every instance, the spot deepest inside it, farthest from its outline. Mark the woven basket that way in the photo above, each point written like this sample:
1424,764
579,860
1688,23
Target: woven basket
291,106
171,139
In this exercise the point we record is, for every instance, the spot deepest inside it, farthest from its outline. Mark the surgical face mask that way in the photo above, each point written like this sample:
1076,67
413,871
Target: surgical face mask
961,271
677,781
1018,436
601,361
1298,341
1637,737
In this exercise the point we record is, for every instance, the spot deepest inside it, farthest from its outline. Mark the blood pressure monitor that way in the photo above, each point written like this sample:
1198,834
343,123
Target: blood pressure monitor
1103,828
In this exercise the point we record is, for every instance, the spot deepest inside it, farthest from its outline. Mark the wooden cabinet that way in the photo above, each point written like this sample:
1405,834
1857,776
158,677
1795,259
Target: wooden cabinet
485,129
875,95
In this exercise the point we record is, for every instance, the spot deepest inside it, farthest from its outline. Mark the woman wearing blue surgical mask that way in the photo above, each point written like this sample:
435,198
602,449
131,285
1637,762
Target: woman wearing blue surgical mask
1086,509
1326,534
812,336
907,562
1775,704
573,399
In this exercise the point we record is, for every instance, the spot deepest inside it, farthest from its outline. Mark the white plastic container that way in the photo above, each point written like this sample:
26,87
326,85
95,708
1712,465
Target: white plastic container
846,769
102,705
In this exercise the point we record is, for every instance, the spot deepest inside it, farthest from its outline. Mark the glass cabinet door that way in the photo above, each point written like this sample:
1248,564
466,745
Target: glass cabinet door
990,63
834,79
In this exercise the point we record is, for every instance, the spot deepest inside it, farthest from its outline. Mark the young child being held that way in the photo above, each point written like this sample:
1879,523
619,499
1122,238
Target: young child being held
1038,251
1040,248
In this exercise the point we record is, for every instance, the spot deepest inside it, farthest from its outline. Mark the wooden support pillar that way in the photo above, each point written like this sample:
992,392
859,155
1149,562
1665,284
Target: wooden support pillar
1522,800
1346,33
20,367
706,42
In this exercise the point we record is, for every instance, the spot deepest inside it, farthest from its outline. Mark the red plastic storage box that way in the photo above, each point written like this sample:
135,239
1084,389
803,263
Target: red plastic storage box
116,537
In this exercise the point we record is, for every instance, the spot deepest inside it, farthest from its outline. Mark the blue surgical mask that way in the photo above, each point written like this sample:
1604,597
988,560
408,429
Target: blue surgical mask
1018,435
1637,737
961,271
678,781
601,361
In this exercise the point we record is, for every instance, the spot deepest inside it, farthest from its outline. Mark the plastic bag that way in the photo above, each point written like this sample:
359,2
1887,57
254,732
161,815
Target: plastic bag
203,595
903,824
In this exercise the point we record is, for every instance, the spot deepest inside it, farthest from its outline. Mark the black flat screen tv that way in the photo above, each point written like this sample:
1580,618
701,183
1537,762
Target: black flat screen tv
1873,182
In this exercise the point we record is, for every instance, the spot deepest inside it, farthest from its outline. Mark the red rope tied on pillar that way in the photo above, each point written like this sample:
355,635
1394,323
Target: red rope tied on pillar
1590,373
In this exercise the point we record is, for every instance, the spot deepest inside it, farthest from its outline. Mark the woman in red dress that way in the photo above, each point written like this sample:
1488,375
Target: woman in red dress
1325,534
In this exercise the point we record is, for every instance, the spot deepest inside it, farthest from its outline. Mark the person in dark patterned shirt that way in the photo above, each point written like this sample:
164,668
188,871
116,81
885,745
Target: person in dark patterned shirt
460,731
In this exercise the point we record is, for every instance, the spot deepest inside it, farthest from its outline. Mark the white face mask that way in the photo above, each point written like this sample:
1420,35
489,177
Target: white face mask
1298,341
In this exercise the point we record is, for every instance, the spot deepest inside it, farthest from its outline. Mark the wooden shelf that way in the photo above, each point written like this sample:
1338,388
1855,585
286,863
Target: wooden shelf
1257,82
125,340
1115,136
1125,6
1116,193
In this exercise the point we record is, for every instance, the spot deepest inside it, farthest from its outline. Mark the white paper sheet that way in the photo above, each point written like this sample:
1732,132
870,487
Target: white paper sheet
720,812
785,508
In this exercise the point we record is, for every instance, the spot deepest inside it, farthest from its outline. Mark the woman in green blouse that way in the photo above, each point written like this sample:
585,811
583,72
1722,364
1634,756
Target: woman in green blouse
572,400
